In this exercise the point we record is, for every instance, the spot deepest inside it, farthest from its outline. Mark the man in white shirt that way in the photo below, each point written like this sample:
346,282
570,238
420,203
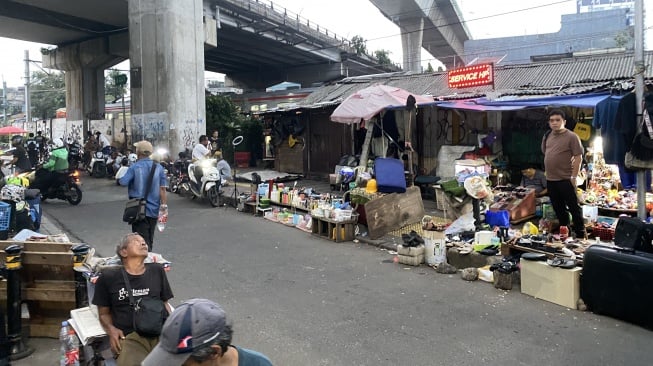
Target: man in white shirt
102,140
201,151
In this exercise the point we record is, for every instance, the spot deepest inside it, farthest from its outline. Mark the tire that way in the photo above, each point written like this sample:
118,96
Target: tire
75,195
214,196
99,171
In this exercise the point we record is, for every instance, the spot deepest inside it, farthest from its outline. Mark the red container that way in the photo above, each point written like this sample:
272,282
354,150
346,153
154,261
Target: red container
242,158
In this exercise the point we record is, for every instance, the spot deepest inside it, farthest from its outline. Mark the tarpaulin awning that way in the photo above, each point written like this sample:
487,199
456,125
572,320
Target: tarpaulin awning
576,100
366,103
513,103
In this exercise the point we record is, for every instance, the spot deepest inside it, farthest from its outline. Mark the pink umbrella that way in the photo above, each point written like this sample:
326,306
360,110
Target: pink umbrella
10,130
366,103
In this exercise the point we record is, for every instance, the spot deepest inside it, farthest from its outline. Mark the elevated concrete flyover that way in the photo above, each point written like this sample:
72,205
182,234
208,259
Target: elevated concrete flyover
435,25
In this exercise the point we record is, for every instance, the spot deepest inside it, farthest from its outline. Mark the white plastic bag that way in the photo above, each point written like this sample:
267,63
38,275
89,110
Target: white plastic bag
463,223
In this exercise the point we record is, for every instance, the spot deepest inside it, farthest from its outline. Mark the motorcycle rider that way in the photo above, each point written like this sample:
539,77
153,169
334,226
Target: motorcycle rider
90,147
55,169
21,159
102,140
200,152
32,150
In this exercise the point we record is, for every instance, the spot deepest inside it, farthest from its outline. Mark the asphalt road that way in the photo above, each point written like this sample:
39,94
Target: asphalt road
308,301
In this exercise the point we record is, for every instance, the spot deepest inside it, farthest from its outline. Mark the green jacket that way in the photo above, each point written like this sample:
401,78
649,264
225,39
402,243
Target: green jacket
58,160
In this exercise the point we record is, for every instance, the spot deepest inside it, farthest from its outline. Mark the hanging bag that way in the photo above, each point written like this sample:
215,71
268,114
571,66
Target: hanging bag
149,313
640,155
135,207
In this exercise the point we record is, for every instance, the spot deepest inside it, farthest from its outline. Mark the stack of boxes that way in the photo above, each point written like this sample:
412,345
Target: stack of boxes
412,256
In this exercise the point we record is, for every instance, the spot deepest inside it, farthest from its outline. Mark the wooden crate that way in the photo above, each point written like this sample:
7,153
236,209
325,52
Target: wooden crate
334,230
48,284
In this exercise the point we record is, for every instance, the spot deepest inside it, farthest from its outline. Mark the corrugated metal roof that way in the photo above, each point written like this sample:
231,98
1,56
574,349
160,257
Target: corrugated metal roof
569,76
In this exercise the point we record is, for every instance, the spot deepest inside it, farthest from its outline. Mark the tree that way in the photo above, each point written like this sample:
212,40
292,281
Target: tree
625,38
359,44
223,115
47,94
429,68
112,90
383,57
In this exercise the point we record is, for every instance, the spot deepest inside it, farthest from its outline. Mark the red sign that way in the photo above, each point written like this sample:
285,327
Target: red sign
469,76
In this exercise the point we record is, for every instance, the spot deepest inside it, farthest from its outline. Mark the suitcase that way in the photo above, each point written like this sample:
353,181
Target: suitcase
617,282
633,233
390,177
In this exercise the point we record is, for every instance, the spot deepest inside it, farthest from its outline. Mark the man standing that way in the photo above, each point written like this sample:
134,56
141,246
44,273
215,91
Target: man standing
111,297
563,155
40,143
20,160
32,150
197,333
136,178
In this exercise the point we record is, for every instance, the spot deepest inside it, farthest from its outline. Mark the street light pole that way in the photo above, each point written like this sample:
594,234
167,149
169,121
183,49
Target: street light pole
28,112
640,69
4,102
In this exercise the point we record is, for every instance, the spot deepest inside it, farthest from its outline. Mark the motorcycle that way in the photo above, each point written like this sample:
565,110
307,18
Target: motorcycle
209,185
66,188
75,155
97,167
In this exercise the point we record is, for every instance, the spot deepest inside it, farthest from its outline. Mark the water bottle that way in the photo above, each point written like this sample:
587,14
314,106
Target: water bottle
163,218
69,346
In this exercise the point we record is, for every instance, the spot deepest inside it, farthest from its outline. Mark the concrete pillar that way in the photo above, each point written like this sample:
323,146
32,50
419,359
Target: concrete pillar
166,50
411,43
84,64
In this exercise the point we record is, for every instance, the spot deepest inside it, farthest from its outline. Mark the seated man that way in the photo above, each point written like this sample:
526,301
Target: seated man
197,333
223,167
116,313
535,179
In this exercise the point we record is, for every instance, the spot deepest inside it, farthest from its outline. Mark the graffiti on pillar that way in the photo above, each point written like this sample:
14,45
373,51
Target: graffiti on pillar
152,127
104,126
58,129
74,131
189,133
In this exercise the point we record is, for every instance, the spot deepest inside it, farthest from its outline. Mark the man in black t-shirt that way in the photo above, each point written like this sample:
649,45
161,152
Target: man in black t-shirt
111,297
40,143
20,160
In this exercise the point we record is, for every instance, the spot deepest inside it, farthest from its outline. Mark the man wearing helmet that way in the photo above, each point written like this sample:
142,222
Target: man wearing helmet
40,143
55,168
21,159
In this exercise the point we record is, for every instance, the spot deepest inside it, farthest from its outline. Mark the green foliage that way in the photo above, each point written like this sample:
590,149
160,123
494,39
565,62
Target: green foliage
625,38
383,57
359,44
48,93
113,91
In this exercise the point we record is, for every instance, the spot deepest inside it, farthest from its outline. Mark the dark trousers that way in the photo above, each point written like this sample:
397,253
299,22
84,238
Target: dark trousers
563,198
145,228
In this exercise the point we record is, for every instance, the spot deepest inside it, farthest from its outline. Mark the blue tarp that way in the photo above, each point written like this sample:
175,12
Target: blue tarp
513,103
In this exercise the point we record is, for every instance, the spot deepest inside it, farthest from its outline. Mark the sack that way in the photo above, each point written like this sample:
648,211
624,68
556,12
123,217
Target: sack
497,218
134,210
632,162
149,316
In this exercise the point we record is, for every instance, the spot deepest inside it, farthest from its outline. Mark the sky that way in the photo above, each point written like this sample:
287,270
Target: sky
347,18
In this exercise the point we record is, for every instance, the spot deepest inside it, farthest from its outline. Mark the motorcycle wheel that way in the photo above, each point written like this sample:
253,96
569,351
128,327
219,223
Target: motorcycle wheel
214,196
99,171
74,195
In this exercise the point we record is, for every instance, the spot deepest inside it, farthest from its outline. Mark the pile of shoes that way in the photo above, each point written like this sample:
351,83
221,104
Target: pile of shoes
411,252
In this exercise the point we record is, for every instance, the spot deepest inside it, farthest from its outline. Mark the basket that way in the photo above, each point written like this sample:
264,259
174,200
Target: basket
605,233
5,215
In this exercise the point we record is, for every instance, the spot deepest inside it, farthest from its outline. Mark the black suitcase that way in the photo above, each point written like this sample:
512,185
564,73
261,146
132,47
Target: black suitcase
633,233
618,283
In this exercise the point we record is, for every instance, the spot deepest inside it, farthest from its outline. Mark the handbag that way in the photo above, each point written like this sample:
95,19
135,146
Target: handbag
149,313
135,207
640,155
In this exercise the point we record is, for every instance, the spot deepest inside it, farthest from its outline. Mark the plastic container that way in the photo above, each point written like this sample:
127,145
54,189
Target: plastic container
5,215
163,218
69,346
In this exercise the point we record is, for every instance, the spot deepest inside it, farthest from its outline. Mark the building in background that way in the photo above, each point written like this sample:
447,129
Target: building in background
599,26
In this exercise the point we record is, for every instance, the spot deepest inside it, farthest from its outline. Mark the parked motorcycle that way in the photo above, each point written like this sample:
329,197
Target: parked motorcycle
97,167
209,184
75,155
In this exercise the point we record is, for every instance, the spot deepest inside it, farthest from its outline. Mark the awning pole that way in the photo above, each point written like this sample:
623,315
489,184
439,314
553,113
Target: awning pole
640,68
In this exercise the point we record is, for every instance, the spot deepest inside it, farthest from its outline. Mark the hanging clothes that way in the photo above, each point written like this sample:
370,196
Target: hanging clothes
616,116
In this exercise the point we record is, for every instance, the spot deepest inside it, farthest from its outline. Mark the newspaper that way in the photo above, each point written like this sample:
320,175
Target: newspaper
86,323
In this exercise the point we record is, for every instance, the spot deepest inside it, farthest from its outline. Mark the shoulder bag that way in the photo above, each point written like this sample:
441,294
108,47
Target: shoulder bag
640,155
149,313
135,207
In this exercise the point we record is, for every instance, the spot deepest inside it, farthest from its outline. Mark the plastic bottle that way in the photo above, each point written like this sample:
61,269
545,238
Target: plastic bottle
163,218
69,346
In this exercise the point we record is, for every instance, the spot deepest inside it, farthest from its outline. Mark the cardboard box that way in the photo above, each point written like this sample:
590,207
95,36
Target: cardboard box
557,285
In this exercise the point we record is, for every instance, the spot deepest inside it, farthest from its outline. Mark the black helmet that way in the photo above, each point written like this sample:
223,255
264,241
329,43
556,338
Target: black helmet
16,140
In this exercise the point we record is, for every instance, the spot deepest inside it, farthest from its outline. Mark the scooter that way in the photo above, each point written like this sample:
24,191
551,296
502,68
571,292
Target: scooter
209,185
97,167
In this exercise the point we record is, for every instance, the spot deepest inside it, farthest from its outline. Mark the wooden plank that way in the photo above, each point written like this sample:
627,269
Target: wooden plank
50,258
393,211
57,291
